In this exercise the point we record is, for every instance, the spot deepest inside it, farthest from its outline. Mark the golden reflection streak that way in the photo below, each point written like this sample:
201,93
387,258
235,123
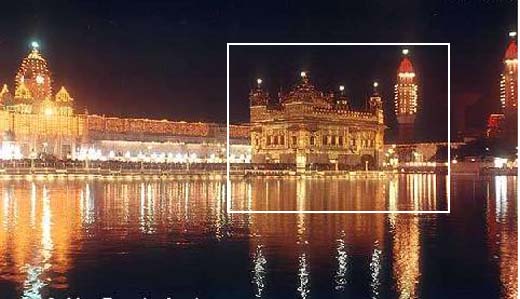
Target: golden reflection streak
406,255
502,234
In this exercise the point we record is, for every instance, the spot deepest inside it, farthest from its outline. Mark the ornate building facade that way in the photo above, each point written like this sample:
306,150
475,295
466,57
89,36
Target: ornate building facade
405,99
306,126
36,122
508,86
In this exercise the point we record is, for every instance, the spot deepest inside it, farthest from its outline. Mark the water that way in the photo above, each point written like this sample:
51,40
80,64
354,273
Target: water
153,239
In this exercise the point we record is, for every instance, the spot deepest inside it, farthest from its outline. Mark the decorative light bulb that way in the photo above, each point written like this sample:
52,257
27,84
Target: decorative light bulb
259,81
405,51
303,74
341,88
39,79
375,84
35,45
512,34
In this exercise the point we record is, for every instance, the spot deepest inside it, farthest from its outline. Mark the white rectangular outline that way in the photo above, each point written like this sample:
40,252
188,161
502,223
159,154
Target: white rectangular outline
228,178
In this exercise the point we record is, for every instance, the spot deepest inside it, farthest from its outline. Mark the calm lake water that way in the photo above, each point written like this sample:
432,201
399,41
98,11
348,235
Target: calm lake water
159,239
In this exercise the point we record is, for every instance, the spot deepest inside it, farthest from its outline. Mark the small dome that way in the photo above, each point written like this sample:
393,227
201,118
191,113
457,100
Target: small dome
63,96
22,92
405,66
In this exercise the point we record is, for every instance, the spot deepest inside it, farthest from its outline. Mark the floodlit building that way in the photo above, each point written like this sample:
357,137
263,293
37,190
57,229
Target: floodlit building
35,122
306,126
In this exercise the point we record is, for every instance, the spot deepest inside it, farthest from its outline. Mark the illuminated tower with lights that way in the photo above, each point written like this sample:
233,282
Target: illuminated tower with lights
35,75
508,87
405,98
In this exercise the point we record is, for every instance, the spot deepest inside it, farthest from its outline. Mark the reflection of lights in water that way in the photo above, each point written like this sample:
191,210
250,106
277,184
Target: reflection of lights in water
303,276
146,211
422,191
300,230
5,208
46,227
186,200
504,235
340,278
249,192
406,256
33,203
375,271
87,205
416,189
501,197
34,282
300,194
393,196
259,271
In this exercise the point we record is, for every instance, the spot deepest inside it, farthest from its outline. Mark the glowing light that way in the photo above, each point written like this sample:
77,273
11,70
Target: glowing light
405,51
35,44
303,74
341,88
375,84
512,34
500,162
259,81
39,79
48,111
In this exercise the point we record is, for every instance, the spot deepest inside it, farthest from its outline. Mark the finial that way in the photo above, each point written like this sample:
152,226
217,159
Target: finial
341,89
512,34
35,45
259,82
405,51
375,85
303,74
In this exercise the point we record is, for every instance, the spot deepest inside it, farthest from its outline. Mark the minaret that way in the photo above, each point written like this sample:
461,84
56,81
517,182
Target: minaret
405,99
376,107
508,86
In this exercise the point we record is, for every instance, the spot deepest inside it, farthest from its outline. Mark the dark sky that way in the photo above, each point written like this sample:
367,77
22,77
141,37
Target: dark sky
355,67
167,59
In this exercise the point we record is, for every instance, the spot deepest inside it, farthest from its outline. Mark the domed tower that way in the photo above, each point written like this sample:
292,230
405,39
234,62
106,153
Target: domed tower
35,75
406,98
258,101
508,86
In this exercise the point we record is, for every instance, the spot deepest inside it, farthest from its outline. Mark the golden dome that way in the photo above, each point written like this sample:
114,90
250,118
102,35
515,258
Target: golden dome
35,75
63,96
22,92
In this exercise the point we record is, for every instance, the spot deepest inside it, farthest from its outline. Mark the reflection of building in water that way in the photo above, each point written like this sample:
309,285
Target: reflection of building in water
306,126
502,232
38,121
406,250
401,192
304,194
39,228
43,224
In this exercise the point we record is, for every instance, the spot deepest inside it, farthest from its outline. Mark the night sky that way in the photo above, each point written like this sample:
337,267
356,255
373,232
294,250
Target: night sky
167,59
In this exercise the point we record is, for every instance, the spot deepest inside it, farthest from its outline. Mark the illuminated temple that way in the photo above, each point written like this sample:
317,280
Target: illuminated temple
35,121
307,127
